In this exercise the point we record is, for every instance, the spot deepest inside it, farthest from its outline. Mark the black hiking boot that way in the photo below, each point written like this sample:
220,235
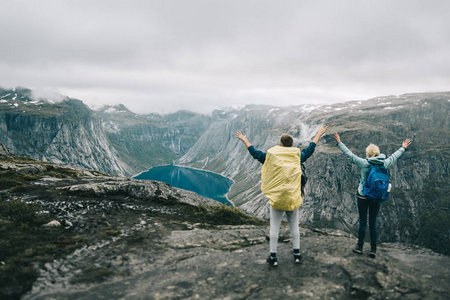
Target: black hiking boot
298,258
272,261
373,253
358,249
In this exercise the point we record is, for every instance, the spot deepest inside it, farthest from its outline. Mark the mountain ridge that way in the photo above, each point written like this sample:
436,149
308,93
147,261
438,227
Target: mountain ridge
128,143
112,139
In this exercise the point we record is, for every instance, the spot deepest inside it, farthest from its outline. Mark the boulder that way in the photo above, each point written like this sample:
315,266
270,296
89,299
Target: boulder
3,151
53,223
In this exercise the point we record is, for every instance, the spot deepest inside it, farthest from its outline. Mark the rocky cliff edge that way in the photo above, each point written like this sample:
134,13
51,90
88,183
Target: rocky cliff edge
77,234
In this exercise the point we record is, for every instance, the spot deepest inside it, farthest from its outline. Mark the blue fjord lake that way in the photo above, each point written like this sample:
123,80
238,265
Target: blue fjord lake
204,183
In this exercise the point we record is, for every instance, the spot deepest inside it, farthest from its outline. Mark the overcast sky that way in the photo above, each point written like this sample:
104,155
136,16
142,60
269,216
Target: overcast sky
163,56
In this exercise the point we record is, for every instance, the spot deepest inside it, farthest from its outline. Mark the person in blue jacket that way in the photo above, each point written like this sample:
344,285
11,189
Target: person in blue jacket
373,156
276,216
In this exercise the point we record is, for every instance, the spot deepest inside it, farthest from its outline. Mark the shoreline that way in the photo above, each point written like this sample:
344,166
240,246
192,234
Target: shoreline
198,169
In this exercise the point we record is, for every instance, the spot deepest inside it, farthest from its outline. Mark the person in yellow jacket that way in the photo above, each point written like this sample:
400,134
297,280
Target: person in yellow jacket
281,184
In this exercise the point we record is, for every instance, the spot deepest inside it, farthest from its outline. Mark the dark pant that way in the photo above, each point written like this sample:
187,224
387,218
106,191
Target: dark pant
373,207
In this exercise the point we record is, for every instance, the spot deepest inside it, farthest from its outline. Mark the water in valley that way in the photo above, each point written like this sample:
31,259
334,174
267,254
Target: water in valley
204,183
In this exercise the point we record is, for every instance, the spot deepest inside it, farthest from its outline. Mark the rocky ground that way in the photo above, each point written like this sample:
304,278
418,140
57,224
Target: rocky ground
228,262
125,239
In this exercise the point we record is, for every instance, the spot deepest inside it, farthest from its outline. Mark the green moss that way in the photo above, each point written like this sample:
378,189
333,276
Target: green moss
109,232
62,172
21,160
225,215
17,210
9,179
14,280
25,244
137,238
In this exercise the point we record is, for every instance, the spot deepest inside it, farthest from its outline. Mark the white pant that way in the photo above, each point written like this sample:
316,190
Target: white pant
276,216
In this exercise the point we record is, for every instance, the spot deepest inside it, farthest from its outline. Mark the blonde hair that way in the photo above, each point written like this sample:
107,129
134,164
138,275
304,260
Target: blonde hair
372,150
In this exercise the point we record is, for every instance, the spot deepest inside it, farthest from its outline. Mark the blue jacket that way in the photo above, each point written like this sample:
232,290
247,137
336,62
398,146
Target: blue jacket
304,155
364,163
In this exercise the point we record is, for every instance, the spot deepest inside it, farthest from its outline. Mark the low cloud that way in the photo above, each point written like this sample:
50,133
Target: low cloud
168,55
47,94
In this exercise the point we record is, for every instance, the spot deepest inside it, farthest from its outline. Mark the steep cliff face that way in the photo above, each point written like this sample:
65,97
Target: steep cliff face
113,140
65,132
420,177
144,141
418,200
117,141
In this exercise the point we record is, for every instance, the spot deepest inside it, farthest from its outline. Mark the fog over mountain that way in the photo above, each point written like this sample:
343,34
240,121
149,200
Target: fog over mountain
117,141
163,56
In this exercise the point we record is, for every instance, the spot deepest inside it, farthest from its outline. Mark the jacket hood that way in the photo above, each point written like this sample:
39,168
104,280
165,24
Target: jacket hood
377,160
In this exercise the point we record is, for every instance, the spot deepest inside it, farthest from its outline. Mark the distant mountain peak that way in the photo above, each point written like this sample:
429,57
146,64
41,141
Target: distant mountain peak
20,94
114,109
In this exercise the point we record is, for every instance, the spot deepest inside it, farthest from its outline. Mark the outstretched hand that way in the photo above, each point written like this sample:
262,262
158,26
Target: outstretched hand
406,143
240,136
243,138
324,129
337,137
320,133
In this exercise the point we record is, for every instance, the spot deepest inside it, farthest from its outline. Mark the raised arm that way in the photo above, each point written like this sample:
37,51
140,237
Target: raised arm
320,133
308,151
393,158
242,137
337,137
259,155
360,162
406,143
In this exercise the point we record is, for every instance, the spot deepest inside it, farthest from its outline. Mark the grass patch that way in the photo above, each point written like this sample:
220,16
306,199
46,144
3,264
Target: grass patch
17,210
59,172
10,179
136,239
25,245
107,233
224,215
22,160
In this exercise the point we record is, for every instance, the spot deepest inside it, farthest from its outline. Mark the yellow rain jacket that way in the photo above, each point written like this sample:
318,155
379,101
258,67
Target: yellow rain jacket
281,178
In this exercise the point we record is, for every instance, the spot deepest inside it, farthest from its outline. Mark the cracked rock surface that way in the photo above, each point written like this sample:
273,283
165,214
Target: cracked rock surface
228,262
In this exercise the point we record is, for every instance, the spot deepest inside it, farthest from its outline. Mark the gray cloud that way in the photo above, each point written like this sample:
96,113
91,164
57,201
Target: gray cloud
168,55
